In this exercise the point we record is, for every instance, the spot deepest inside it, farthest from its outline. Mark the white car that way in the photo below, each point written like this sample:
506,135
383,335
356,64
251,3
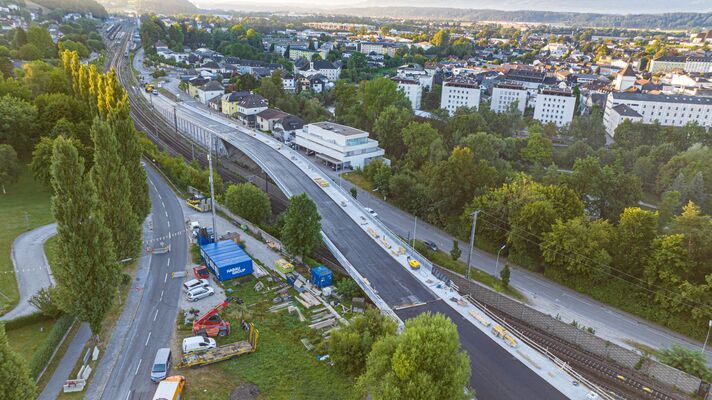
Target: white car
197,343
370,211
200,293
195,283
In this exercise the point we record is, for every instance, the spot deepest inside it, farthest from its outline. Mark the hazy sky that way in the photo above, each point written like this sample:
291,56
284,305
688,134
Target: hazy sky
597,6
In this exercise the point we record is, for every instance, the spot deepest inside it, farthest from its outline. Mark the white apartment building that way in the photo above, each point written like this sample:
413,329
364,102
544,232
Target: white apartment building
556,106
338,146
700,64
504,94
412,90
460,93
667,110
620,113
667,64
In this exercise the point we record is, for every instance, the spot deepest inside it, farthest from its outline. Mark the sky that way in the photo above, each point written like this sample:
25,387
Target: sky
596,6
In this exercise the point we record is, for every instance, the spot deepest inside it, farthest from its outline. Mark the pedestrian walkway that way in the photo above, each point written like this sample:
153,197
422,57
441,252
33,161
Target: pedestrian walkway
67,364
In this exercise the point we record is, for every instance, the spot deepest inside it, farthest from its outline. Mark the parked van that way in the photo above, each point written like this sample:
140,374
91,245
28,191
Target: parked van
197,343
161,364
194,284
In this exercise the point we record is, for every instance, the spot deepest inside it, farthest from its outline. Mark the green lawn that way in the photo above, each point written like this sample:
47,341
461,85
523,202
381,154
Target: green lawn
281,367
24,207
359,180
27,339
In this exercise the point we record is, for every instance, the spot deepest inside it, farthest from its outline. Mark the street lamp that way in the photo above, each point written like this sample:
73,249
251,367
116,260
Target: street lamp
709,325
472,241
496,265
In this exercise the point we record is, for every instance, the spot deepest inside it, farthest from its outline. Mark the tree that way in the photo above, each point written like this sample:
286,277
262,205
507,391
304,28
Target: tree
388,129
14,372
249,202
691,361
374,96
668,267
43,300
348,288
578,247
301,233
354,192
424,362
669,206
18,122
419,139
348,347
40,37
504,275
112,187
538,150
20,38
634,236
9,166
130,151
455,253
6,67
29,52
441,38
86,271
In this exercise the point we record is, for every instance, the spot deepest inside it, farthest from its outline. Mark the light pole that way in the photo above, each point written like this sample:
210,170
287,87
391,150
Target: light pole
709,325
496,265
472,241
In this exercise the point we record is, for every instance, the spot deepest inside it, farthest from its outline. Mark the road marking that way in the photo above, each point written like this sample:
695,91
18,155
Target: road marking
169,225
166,278
138,366
163,204
169,263
155,315
128,395
166,212
161,299
147,339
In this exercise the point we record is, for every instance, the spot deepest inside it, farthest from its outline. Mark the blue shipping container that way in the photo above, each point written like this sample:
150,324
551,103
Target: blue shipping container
226,260
321,276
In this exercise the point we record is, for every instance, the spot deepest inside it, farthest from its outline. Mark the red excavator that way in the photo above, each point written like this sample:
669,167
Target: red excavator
210,324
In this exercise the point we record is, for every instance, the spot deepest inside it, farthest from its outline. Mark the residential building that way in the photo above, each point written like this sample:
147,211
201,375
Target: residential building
667,110
266,119
625,79
555,106
557,50
289,84
411,89
229,102
460,92
504,94
209,91
699,64
309,68
249,106
530,79
620,113
382,48
338,146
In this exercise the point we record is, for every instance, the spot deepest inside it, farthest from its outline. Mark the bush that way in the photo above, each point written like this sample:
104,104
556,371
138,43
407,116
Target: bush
688,360
41,358
23,321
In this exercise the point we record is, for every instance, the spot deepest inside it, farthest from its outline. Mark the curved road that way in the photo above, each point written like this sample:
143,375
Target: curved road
31,267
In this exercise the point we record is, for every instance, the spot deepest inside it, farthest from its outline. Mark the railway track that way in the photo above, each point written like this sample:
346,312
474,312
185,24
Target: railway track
624,383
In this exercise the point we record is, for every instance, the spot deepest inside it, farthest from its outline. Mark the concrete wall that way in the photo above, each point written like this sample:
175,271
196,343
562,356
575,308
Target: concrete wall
586,341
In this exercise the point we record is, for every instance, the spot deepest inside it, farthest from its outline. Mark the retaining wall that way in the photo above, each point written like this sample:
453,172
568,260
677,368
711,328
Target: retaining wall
571,334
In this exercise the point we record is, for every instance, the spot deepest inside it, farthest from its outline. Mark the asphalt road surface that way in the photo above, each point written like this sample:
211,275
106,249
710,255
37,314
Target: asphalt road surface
149,316
495,373
31,267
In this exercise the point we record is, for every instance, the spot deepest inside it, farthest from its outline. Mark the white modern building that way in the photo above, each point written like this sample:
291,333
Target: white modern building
504,94
412,90
338,146
667,110
209,91
699,64
458,93
555,105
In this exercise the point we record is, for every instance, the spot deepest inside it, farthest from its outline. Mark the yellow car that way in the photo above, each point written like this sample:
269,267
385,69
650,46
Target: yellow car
414,264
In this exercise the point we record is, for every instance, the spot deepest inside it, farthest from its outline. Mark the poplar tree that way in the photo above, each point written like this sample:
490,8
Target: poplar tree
301,233
86,272
111,182
129,150
14,373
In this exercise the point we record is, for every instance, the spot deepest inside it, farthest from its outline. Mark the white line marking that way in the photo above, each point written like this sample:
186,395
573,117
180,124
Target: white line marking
161,299
128,395
169,224
166,212
166,278
148,338
156,315
163,204
138,366
169,262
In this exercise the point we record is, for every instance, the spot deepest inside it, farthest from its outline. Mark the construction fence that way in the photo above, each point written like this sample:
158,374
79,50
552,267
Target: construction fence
571,334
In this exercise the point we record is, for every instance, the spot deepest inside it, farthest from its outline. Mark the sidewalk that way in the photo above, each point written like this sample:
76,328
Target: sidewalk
67,364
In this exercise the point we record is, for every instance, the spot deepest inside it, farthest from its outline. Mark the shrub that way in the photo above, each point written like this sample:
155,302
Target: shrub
41,357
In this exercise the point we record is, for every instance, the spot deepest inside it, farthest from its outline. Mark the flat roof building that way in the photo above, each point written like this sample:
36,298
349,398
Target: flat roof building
338,146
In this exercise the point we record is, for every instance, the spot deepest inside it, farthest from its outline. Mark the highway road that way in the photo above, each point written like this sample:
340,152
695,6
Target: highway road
31,267
149,315
495,373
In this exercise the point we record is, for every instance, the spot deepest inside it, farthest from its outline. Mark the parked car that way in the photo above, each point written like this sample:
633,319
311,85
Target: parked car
161,364
194,284
200,293
197,343
370,211
431,245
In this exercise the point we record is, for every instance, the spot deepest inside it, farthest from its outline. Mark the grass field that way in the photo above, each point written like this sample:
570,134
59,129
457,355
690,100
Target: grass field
24,207
281,367
26,340
358,179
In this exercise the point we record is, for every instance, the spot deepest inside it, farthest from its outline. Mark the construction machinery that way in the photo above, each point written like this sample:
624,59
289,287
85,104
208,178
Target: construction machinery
201,272
199,203
211,324
149,87
223,353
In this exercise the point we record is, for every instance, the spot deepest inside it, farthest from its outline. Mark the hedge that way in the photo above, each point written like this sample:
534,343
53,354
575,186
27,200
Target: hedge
44,352
25,320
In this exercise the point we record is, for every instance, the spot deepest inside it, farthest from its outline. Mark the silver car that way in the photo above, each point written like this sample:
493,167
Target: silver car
200,293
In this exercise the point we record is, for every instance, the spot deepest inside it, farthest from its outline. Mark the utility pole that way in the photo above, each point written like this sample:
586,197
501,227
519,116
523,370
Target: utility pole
212,188
472,241
415,227
175,119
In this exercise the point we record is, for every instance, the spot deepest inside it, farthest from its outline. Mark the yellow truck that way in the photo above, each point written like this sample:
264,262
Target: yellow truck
170,388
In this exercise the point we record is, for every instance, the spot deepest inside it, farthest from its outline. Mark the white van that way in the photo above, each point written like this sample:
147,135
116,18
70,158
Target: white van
197,343
194,284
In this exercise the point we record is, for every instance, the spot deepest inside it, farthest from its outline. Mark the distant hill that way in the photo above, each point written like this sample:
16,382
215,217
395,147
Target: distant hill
79,6
644,21
167,7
